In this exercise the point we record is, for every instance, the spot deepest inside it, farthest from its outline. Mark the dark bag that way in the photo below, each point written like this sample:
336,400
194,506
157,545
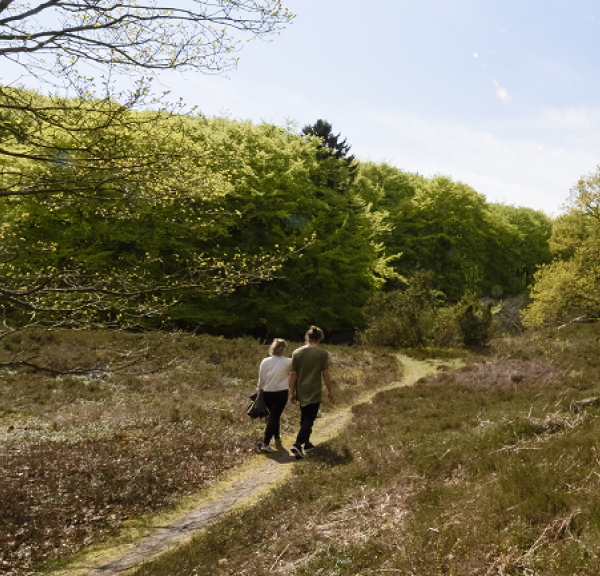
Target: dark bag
258,406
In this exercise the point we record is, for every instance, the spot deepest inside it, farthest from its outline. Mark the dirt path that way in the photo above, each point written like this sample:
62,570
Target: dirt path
246,485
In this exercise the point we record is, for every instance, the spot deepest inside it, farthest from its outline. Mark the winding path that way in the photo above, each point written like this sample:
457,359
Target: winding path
244,486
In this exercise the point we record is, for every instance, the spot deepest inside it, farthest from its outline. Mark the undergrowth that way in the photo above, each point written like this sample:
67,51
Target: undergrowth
486,470
146,420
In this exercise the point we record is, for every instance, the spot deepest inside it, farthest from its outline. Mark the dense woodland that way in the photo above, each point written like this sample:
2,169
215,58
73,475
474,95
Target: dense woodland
120,210
235,228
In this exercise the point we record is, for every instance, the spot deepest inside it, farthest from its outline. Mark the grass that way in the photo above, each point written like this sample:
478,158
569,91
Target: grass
147,420
485,470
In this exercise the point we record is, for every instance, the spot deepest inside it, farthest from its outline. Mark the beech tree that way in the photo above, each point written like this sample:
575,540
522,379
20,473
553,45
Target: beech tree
82,154
569,286
52,38
519,245
100,56
446,227
281,194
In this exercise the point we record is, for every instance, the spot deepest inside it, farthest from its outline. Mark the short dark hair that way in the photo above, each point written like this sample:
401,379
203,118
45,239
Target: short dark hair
314,334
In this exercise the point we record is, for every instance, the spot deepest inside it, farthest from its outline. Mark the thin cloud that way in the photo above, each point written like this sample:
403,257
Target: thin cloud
520,170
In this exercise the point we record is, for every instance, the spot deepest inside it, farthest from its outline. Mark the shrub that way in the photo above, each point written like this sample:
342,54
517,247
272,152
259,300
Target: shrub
404,317
475,321
446,331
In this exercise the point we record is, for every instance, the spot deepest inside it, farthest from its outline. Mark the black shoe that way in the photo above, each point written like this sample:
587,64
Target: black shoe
297,452
308,446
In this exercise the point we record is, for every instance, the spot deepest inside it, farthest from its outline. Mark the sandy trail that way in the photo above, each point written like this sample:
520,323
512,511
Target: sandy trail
245,485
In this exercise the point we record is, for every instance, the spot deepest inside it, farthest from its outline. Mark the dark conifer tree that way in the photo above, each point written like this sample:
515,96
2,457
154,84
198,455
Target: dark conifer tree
333,146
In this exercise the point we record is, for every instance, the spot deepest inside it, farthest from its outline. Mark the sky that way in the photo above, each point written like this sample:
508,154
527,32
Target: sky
499,94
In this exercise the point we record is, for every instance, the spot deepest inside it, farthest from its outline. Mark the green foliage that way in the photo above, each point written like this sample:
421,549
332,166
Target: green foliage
532,248
191,242
117,236
283,195
149,219
403,317
416,315
568,287
448,228
117,217
106,208
475,321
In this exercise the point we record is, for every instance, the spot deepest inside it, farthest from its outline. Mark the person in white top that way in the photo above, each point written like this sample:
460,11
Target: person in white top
273,379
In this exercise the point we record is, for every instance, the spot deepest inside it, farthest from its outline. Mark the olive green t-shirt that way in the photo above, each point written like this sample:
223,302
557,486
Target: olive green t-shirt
308,363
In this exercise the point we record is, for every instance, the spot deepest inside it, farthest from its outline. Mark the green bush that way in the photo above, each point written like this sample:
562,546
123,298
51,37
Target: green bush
446,331
474,319
415,316
404,317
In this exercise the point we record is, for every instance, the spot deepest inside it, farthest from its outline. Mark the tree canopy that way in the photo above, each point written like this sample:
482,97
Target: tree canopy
446,227
568,287
282,194
120,210
245,204
84,177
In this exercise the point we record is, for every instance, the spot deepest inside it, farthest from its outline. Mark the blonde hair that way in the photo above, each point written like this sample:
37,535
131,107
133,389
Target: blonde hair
277,347
314,334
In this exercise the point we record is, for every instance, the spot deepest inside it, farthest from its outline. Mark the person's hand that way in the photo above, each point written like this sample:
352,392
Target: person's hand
292,398
330,396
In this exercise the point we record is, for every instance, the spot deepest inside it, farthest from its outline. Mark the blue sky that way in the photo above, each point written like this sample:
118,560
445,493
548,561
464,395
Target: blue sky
499,94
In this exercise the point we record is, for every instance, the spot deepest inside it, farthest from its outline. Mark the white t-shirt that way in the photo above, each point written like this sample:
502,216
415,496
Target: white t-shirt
273,374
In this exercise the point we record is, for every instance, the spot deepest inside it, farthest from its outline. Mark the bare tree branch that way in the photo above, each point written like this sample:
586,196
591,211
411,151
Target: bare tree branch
127,34
88,157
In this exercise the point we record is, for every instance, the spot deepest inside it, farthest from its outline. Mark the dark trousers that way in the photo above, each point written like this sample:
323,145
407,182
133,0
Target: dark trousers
275,402
308,415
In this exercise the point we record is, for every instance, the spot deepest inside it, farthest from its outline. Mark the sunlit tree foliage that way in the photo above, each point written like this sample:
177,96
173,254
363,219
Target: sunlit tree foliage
449,229
84,179
569,287
282,193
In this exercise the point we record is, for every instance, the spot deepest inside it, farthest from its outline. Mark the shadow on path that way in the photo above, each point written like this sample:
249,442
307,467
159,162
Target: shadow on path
325,455
244,487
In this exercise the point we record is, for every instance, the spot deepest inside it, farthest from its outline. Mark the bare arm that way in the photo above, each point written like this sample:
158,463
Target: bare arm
327,380
292,392
260,383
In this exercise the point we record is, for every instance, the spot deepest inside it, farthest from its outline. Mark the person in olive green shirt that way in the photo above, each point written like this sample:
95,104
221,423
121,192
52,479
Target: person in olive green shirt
309,364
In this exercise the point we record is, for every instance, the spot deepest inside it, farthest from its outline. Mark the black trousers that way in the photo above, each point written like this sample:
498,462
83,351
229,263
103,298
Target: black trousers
275,402
308,415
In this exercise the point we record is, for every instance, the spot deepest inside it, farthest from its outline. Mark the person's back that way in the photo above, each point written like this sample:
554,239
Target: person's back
308,363
273,379
273,373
